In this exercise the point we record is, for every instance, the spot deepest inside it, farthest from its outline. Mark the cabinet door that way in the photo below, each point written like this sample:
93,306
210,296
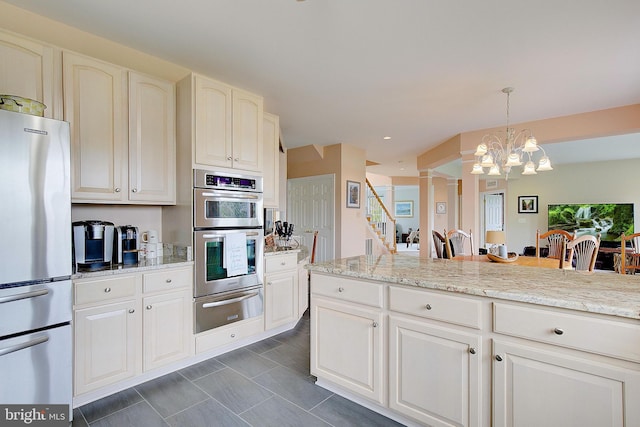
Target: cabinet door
166,328
95,107
281,298
535,387
213,143
28,71
248,118
346,347
152,163
434,373
271,161
106,345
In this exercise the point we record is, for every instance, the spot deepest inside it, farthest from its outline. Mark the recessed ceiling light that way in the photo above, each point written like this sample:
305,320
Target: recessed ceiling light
387,137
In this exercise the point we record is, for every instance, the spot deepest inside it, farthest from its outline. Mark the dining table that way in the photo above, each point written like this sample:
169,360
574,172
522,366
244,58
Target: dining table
529,261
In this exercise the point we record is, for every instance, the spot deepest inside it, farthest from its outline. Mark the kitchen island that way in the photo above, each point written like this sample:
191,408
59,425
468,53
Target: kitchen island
446,342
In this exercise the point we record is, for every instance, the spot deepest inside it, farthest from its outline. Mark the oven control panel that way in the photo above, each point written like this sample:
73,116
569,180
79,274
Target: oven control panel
210,179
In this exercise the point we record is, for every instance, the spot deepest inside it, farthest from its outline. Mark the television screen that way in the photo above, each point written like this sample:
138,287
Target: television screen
608,219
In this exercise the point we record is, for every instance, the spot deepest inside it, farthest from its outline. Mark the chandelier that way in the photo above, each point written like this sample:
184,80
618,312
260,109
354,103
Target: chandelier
500,152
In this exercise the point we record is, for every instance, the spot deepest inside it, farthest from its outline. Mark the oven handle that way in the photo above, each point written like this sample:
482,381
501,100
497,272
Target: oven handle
22,346
213,236
229,301
231,196
24,295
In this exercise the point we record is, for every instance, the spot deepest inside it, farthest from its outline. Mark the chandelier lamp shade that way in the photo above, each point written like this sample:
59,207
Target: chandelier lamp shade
498,153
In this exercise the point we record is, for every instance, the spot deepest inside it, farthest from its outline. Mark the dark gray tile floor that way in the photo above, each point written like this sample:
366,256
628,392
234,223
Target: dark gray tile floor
264,384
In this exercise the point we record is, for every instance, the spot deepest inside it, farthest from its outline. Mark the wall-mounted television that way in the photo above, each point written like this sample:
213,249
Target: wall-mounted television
608,219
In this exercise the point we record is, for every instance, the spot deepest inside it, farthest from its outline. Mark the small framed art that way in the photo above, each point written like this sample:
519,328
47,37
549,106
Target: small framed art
527,204
353,194
441,207
404,209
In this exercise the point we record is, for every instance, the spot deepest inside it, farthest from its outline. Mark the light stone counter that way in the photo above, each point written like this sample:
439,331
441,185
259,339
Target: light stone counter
142,266
599,292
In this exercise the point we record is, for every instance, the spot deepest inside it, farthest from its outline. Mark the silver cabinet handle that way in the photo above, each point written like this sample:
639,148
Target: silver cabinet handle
22,346
168,280
107,290
375,324
134,190
558,331
340,289
24,295
117,190
132,310
149,307
283,263
233,335
498,358
472,350
269,283
428,306
236,159
229,158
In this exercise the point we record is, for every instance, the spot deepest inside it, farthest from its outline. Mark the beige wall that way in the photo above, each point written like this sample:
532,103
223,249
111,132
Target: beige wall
346,163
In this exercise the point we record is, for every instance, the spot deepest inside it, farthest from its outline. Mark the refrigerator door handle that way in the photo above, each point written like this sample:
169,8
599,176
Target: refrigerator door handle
22,346
24,295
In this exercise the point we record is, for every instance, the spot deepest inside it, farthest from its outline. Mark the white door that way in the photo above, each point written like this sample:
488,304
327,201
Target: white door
311,208
493,212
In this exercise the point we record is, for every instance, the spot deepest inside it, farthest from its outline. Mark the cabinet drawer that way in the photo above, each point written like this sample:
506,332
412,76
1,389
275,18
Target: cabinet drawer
167,280
275,263
431,305
596,335
229,334
348,289
102,290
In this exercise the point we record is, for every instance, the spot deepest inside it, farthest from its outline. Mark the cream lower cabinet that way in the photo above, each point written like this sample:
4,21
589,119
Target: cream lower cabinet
280,290
348,335
107,332
434,373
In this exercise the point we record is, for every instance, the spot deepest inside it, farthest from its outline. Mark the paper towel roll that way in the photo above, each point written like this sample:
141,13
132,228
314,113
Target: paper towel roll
502,251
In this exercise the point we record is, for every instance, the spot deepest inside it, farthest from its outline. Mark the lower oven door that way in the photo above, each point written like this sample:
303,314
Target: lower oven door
218,310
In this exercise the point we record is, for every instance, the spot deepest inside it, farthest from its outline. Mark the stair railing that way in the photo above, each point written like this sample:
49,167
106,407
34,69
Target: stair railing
380,217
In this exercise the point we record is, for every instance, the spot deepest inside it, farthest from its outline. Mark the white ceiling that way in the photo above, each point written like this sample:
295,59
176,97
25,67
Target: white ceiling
420,71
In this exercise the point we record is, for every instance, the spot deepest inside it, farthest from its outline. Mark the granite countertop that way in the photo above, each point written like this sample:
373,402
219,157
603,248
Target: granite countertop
598,292
142,266
302,251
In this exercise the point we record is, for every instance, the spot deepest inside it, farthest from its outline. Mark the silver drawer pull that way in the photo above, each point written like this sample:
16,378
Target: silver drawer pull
117,190
233,335
168,280
22,346
107,290
498,358
134,190
472,350
24,295
340,289
283,263
428,306
131,311
149,307
558,331
375,324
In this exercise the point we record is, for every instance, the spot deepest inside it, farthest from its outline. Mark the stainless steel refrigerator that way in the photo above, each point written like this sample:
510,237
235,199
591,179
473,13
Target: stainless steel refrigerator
35,263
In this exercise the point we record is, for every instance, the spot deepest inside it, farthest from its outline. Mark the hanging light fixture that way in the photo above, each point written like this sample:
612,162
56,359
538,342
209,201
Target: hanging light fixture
499,153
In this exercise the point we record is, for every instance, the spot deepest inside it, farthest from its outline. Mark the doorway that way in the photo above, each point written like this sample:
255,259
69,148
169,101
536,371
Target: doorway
311,207
492,211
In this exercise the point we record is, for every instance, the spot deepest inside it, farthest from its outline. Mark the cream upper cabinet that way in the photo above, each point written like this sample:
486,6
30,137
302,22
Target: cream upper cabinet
271,160
152,144
95,105
228,126
28,70
122,133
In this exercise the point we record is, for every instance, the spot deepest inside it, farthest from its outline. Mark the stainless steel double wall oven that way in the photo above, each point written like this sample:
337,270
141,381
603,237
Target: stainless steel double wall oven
225,206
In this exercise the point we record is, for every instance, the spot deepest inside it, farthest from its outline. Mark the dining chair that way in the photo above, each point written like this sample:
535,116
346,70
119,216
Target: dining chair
455,243
439,241
555,239
585,251
630,261
413,237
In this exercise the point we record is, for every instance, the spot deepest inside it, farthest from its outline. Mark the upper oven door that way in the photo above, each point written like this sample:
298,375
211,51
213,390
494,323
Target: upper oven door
227,209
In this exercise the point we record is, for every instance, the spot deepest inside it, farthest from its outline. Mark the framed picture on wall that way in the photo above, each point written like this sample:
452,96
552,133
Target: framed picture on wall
527,204
404,209
353,194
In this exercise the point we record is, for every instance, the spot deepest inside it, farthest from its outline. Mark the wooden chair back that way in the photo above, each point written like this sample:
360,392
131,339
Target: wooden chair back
555,239
630,260
584,248
439,241
457,239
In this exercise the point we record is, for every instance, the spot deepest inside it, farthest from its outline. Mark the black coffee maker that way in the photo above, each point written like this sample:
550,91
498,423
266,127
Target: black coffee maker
92,245
125,245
